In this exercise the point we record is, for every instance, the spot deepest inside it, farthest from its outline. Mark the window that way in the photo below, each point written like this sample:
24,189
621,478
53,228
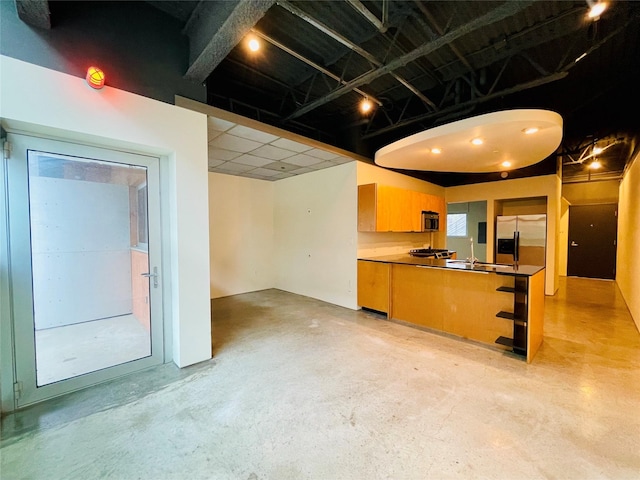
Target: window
457,225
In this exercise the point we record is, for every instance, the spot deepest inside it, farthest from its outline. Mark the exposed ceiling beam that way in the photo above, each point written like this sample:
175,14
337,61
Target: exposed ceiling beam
366,13
437,28
356,48
215,28
505,10
34,12
311,63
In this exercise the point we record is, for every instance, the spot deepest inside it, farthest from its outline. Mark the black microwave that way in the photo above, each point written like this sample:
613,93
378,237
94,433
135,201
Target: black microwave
430,221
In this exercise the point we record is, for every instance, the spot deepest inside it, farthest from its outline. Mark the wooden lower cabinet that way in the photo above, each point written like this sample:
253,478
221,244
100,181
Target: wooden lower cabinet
373,285
458,302
502,310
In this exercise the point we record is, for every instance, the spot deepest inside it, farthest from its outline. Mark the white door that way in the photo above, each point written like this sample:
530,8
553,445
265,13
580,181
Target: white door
84,250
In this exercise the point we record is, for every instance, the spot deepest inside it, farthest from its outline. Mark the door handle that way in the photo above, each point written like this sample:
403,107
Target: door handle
573,244
154,275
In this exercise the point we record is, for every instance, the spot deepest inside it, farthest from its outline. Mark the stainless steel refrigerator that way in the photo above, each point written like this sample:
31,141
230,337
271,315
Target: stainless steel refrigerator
521,239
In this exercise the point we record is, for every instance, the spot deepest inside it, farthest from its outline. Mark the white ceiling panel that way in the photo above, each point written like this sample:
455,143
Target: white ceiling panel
281,166
211,134
252,134
215,163
291,145
300,171
222,154
303,160
341,160
322,154
320,166
233,143
248,152
219,125
274,153
234,167
253,160
264,172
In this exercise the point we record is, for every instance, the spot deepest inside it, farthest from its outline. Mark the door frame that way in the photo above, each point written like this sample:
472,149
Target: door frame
8,397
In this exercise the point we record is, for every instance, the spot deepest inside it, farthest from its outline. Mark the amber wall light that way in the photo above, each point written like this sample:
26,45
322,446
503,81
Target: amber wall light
95,77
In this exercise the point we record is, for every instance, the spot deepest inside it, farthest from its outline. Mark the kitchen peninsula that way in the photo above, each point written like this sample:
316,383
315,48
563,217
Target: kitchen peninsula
499,305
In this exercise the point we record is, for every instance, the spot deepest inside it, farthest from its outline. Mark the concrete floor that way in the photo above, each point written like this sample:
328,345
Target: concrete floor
72,350
300,389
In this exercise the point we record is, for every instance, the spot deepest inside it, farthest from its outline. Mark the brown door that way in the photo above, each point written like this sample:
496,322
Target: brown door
592,241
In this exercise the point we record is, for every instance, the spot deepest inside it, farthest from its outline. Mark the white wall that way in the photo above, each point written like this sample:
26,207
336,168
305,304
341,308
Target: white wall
241,234
79,227
45,102
371,244
315,227
549,186
628,260
563,238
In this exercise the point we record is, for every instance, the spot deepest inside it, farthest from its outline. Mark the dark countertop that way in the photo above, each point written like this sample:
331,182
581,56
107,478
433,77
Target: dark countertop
406,259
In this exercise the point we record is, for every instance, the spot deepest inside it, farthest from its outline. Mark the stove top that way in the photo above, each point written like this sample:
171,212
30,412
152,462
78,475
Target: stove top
430,252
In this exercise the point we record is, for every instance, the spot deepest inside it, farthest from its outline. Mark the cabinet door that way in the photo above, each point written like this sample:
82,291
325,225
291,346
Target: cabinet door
373,285
367,211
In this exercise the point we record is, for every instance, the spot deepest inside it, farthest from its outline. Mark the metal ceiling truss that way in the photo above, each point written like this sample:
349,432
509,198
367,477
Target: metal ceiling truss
500,13
476,96
352,46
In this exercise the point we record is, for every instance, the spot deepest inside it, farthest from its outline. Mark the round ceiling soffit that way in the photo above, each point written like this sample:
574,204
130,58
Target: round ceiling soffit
501,143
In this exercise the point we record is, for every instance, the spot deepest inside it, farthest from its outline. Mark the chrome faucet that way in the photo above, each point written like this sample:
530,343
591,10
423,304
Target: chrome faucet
472,260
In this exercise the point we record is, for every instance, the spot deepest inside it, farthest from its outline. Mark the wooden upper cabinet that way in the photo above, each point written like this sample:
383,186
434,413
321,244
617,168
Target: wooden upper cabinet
390,209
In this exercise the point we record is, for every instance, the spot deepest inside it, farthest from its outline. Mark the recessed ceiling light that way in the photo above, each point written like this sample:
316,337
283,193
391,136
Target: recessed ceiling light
253,44
506,164
595,165
477,141
365,105
436,150
530,130
596,10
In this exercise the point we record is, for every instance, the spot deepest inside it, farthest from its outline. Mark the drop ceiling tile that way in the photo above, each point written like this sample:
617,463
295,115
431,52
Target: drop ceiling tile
320,166
252,134
218,124
215,163
274,153
303,160
222,154
257,177
247,159
341,160
300,171
233,143
265,172
211,134
281,166
322,154
282,175
291,145
234,167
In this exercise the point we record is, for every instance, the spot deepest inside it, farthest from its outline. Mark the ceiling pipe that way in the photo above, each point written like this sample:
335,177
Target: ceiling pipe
356,48
503,11
311,63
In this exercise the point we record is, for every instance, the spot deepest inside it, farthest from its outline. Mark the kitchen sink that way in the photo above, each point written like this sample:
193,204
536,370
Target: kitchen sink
482,264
